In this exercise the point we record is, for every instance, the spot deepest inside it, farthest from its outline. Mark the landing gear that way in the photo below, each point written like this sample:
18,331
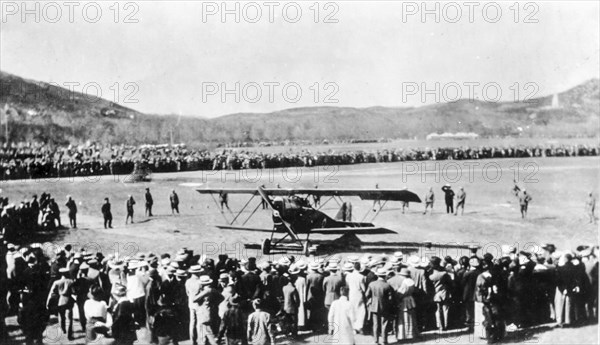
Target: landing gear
306,248
266,246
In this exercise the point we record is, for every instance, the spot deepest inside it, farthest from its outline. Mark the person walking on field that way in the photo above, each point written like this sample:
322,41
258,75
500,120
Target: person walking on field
460,201
524,200
129,206
429,199
149,203
174,200
106,213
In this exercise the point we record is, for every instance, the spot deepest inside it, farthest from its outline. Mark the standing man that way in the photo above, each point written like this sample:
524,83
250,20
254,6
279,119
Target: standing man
106,214
208,300
224,199
174,199
35,209
149,203
449,197
524,200
380,301
331,285
72,212
460,201
316,199
129,206
193,288
429,199
591,207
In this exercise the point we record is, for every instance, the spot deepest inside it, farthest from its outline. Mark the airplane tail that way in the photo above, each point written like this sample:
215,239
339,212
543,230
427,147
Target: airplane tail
345,212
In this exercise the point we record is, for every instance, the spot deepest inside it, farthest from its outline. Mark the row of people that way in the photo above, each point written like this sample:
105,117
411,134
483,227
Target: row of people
168,299
29,163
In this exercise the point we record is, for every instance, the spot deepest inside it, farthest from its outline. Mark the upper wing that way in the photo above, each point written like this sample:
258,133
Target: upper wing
369,230
227,190
365,194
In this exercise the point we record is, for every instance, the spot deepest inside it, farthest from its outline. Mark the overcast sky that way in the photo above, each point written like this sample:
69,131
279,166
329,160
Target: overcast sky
177,49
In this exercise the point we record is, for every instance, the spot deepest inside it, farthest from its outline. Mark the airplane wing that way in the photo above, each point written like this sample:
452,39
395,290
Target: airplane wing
365,194
233,227
369,230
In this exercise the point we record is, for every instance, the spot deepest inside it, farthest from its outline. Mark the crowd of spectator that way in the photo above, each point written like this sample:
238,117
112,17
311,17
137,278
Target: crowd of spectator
168,298
29,215
39,161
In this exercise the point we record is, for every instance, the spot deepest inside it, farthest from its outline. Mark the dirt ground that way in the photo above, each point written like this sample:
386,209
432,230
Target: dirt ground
559,187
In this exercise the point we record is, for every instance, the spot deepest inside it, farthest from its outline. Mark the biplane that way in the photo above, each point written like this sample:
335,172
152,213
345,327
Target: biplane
294,215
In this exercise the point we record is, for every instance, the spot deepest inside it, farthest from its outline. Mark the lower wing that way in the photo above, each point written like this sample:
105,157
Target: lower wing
369,230
233,227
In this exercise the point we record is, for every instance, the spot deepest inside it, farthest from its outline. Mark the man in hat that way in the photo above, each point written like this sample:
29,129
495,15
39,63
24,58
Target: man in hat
332,284
81,288
250,284
63,288
291,302
521,289
460,201
429,199
467,289
174,201
357,286
106,213
380,302
260,328
315,296
449,198
129,208
149,203
549,249
208,301
152,302
233,323
136,292
193,288
422,290
123,317
442,283
72,207
342,319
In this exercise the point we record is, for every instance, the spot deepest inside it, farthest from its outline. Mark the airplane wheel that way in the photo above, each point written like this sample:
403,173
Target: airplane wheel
266,246
306,248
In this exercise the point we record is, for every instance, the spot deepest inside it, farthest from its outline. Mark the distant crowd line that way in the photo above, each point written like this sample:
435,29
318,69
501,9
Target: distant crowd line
26,161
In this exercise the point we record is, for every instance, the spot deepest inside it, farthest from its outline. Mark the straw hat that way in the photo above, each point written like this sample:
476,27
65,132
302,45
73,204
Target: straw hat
205,280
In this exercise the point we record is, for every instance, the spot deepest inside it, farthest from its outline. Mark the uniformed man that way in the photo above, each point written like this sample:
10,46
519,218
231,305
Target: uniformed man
460,201
174,200
129,206
106,213
449,198
524,200
224,199
72,207
429,199
149,203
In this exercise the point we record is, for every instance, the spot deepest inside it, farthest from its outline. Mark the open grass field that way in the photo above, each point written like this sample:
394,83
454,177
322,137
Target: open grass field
559,187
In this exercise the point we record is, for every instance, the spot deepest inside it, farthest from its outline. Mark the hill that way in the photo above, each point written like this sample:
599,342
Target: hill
43,112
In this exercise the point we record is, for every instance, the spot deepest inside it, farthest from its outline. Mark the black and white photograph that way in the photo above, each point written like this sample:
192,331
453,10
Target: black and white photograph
296,172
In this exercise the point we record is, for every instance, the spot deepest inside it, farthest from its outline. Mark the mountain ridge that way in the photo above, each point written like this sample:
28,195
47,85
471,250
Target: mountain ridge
40,111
